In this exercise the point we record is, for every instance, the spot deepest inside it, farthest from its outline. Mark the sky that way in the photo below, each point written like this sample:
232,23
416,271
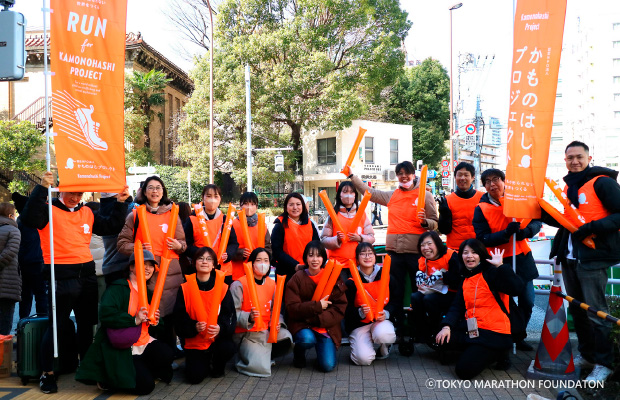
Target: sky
480,27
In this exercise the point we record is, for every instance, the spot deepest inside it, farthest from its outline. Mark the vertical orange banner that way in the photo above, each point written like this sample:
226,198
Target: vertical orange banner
87,56
538,31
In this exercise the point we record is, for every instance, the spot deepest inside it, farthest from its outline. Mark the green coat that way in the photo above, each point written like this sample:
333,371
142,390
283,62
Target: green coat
104,363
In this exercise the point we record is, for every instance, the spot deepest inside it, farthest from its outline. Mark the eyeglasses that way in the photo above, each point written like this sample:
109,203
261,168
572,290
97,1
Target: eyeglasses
155,188
367,255
495,179
205,259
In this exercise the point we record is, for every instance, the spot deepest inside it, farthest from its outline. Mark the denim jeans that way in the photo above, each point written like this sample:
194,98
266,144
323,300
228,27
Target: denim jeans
325,348
588,286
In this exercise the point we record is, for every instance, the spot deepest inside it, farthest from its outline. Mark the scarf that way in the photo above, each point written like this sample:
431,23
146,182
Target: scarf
574,181
253,220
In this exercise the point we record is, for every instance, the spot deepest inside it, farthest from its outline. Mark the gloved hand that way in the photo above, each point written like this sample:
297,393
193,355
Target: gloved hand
512,228
521,235
583,232
443,205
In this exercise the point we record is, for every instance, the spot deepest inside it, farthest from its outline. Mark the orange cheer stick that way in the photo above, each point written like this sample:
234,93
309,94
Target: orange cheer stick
159,288
323,281
143,228
361,211
245,231
572,212
225,232
196,298
249,274
332,214
277,307
422,190
562,220
358,141
203,225
214,307
262,230
360,288
384,286
332,280
172,227
143,300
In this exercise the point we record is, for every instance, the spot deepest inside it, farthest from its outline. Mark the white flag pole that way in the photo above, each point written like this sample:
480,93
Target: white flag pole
47,74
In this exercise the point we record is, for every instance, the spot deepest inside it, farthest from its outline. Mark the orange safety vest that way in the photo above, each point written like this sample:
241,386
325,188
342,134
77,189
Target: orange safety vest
347,250
132,310
316,278
265,297
498,222
462,217
199,342
590,206
72,233
372,292
296,237
403,211
213,228
431,266
237,266
481,304
158,227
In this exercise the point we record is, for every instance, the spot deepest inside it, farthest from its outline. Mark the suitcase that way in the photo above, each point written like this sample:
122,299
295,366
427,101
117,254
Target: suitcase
30,331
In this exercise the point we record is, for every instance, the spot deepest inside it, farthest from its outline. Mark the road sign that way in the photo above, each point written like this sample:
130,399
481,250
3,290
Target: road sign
445,163
432,174
445,174
445,181
142,170
279,163
470,129
470,141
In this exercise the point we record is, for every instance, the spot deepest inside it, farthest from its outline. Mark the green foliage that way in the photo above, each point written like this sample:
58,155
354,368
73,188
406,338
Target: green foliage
19,142
421,98
140,157
175,179
19,186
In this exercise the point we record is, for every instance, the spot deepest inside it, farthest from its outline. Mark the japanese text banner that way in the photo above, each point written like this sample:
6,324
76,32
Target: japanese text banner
88,60
538,31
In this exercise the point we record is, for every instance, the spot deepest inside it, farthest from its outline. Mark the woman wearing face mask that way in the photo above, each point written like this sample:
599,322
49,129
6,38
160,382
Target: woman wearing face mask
314,323
365,333
205,227
405,226
207,347
255,354
248,202
339,248
476,320
292,231
438,280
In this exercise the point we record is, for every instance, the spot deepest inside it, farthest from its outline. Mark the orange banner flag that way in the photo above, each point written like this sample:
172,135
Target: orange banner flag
318,291
355,275
225,232
384,285
359,214
337,227
249,274
356,145
277,307
562,220
332,280
422,190
245,231
88,60
262,230
143,300
538,31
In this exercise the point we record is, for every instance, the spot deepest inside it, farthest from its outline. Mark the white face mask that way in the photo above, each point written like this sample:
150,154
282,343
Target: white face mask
262,268
347,197
406,185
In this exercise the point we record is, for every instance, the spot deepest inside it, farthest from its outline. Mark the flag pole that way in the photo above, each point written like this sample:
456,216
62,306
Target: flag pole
48,161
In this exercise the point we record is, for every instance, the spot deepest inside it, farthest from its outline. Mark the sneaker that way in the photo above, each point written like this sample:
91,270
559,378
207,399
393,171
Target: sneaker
102,386
47,383
524,346
90,128
581,362
600,373
383,351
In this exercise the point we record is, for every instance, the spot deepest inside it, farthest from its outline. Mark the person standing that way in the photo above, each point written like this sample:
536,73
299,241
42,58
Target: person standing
376,214
595,192
495,230
456,210
10,279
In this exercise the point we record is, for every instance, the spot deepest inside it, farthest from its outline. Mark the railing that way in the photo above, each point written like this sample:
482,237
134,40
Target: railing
7,176
558,272
35,113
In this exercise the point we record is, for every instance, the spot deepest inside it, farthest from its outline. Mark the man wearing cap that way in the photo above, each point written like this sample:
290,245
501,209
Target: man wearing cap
76,282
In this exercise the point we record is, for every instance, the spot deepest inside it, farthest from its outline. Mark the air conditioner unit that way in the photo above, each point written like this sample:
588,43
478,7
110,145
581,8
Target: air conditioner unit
389,175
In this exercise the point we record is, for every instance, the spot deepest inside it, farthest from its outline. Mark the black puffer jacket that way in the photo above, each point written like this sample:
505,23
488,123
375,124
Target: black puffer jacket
10,278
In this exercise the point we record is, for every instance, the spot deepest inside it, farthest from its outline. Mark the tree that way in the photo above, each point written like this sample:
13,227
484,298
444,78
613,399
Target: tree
19,143
143,91
421,98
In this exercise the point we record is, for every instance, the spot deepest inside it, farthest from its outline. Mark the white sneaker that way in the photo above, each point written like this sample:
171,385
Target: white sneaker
383,351
581,362
600,373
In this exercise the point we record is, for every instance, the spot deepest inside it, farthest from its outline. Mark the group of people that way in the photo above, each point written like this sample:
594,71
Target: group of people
461,290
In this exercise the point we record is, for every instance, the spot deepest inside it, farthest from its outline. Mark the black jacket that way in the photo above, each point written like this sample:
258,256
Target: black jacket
607,230
444,225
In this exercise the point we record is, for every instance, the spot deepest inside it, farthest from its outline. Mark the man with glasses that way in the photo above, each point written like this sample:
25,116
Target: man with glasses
595,192
76,282
498,231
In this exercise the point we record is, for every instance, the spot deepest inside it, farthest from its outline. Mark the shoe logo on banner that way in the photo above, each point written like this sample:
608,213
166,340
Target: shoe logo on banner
78,123
86,229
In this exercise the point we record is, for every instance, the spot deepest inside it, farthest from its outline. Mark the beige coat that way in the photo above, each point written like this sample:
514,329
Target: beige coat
405,242
174,278
328,236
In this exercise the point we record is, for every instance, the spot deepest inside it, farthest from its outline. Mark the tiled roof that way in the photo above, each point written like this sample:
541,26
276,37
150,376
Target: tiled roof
36,40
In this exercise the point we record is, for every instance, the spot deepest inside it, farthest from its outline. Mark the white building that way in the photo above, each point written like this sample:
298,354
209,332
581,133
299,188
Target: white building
325,152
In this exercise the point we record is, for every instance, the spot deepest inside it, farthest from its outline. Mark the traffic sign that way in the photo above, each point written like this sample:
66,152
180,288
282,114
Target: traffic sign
445,181
470,129
432,174
279,163
142,170
445,163
445,174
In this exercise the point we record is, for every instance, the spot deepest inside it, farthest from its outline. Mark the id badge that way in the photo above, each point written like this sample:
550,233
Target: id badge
472,328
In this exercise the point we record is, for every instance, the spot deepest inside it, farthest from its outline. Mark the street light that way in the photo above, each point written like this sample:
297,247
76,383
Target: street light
451,167
211,163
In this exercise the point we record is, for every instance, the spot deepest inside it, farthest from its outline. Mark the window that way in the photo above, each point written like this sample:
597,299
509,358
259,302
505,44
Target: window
616,44
393,151
331,195
326,151
369,154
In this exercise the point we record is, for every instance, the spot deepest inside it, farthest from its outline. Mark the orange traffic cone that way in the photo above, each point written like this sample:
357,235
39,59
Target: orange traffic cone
554,358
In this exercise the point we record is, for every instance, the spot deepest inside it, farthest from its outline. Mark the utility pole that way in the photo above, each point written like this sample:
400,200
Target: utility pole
248,129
